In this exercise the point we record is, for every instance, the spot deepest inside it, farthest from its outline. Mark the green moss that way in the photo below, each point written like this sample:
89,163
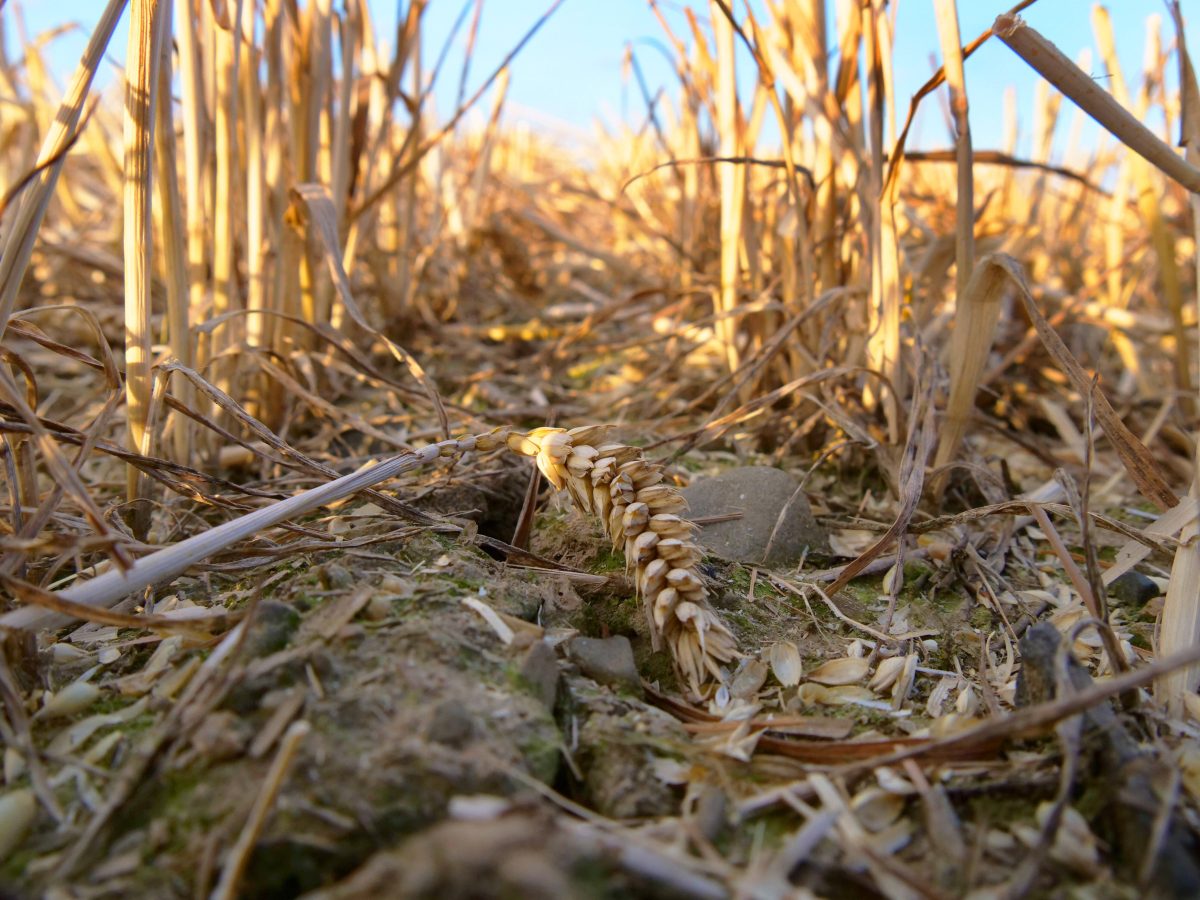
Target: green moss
541,752
768,831
610,615
467,585
739,582
655,667
110,703
981,617
1093,800
171,796
593,879
608,561
1003,806
175,790
305,602
946,603
14,868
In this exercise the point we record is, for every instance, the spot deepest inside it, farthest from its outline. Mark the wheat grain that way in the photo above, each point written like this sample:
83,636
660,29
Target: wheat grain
639,512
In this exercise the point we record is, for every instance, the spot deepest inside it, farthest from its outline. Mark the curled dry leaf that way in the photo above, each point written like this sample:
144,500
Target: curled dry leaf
967,703
1074,844
840,695
75,697
1189,769
951,723
14,765
747,682
847,670
876,808
886,673
940,694
904,682
785,663
1191,703
71,739
893,580
892,839
893,782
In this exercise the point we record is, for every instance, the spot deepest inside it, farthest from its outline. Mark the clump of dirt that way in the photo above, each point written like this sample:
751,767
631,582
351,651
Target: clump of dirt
413,699
619,744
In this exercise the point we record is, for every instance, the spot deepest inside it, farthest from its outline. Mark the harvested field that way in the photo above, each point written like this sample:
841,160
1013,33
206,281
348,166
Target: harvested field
752,505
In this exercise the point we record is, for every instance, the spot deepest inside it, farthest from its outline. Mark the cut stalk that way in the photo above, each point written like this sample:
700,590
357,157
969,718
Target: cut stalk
1180,628
964,233
174,238
23,231
1058,69
145,42
730,177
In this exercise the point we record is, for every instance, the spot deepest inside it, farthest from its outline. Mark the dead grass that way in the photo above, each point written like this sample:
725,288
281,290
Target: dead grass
261,278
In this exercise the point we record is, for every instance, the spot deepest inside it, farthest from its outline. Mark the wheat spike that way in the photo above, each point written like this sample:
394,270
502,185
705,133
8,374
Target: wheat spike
640,514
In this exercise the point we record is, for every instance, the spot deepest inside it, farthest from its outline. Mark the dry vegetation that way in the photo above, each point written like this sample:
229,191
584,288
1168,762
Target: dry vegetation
252,642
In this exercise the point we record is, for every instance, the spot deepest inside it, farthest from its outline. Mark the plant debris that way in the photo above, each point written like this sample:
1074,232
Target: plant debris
343,535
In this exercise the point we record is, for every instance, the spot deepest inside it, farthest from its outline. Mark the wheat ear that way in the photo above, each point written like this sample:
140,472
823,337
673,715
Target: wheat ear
640,513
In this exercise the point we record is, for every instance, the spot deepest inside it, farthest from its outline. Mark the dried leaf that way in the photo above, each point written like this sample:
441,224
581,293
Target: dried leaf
1189,769
746,683
786,664
75,697
876,808
846,670
840,695
886,674
491,617
904,683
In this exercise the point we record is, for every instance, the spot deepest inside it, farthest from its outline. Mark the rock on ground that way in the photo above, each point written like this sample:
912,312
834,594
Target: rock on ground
607,660
760,536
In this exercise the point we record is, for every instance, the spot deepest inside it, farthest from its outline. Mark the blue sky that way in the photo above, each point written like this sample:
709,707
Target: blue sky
570,75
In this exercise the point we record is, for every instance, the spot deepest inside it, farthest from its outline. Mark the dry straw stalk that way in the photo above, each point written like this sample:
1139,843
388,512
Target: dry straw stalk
1077,84
22,233
145,40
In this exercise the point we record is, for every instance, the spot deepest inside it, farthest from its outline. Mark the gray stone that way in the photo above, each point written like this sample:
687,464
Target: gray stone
760,494
271,626
607,661
710,811
451,724
1133,589
539,670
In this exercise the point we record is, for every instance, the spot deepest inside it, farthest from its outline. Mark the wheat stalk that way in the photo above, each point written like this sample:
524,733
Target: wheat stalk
640,514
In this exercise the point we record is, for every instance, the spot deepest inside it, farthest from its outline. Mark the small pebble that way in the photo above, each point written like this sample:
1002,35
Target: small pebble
451,724
759,494
271,628
711,811
607,661
539,669
1133,589
378,608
